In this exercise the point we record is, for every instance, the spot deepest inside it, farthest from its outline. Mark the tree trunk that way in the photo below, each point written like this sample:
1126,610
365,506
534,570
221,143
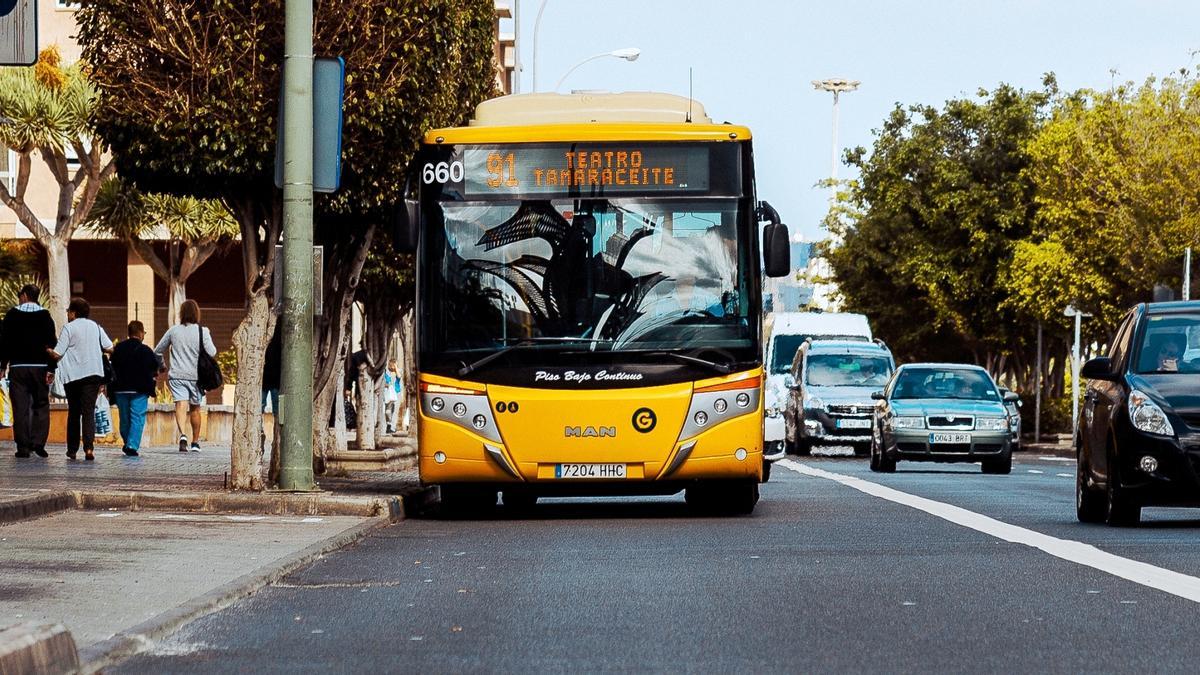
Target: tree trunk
368,409
323,409
250,338
58,278
176,294
408,371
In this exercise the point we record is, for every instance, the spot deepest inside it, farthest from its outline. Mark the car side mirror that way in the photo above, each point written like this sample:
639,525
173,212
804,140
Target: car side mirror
1099,368
1012,397
878,396
406,226
789,381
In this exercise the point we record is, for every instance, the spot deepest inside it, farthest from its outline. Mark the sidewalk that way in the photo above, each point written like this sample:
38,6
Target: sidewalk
129,549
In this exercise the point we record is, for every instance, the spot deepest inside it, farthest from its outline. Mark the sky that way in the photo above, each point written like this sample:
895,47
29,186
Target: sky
753,62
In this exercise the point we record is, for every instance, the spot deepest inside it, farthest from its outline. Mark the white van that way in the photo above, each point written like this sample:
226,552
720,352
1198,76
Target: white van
787,331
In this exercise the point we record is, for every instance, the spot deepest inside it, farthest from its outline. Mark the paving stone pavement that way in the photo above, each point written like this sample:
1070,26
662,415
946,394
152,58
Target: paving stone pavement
160,469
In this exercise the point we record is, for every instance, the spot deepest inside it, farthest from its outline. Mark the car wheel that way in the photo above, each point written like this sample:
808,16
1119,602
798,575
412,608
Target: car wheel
1003,465
874,454
885,464
1121,511
804,447
1090,504
862,449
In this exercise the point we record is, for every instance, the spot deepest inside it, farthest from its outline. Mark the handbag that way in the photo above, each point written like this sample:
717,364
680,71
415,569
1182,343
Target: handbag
208,373
110,375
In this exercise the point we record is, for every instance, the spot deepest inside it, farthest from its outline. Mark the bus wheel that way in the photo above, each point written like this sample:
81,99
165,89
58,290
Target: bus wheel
466,500
734,498
519,500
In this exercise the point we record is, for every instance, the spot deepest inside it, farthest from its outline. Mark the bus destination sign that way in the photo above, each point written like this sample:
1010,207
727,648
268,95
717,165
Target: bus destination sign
582,169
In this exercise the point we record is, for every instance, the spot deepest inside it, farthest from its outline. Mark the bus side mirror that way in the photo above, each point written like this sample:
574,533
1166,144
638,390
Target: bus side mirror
777,250
406,228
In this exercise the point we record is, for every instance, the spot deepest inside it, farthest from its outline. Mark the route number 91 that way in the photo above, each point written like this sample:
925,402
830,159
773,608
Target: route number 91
443,172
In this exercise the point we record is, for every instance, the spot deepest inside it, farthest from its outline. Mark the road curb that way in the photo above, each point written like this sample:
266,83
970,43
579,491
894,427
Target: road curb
35,506
34,648
134,640
289,504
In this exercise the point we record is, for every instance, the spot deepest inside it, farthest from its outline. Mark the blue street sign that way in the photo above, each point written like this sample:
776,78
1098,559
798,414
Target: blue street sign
329,79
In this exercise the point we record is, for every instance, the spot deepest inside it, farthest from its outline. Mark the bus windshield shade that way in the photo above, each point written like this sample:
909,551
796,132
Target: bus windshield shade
597,275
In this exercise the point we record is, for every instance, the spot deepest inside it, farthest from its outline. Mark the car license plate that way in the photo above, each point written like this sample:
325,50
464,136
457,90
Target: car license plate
593,471
853,424
949,438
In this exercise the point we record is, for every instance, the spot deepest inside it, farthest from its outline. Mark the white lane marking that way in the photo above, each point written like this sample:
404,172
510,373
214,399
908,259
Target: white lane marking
1050,458
1151,576
1034,471
245,519
1064,475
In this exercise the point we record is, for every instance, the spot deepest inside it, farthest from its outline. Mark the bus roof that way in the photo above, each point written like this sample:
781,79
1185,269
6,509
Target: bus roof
628,116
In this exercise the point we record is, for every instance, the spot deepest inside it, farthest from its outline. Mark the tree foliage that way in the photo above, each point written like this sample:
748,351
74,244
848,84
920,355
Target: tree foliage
932,222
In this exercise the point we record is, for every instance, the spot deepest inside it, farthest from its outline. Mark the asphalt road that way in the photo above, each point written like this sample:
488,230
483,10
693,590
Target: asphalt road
824,577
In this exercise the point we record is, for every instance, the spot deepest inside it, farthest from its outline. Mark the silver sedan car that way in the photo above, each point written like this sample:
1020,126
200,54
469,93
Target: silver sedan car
941,412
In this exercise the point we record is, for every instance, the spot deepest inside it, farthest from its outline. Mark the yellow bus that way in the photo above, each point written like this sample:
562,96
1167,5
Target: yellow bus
589,302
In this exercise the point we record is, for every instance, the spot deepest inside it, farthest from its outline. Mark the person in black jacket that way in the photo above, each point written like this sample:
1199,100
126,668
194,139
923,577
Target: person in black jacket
28,336
135,366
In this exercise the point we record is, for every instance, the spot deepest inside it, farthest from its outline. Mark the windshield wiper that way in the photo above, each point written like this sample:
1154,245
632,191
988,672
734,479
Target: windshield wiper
722,368
519,344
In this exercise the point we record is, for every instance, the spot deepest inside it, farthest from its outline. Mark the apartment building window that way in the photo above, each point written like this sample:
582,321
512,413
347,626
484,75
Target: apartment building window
66,4
8,169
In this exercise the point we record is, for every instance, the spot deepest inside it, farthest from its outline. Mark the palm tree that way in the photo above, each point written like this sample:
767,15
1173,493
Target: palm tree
48,110
193,228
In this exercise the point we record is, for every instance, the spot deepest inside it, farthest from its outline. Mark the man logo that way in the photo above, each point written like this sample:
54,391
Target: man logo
644,420
590,432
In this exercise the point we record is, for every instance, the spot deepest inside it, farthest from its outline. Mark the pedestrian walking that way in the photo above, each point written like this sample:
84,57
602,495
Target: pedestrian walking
136,367
80,355
25,343
273,371
391,395
185,340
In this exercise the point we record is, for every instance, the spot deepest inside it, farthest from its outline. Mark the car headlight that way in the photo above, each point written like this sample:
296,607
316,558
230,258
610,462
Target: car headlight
908,422
1147,416
815,403
991,423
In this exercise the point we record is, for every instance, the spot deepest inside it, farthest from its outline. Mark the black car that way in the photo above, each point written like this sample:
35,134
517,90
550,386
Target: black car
1139,429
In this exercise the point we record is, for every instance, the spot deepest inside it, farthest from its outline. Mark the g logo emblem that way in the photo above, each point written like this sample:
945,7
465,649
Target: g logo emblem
644,420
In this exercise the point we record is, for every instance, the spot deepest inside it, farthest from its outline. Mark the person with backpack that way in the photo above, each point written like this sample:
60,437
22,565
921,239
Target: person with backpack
28,336
80,355
185,340
135,366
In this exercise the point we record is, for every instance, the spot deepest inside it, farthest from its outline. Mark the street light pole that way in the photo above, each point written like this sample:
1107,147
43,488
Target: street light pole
629,54
537,24
1071,311
836,85
296,407
516,84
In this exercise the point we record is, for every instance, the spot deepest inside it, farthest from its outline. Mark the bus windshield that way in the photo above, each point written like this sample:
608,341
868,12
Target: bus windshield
615,274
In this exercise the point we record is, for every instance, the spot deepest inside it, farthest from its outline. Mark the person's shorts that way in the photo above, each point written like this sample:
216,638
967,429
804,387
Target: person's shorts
185,390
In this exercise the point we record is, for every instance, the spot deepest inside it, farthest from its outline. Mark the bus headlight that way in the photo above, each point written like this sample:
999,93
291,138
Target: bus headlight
460,409
720,406
743,400
479,421
701,418
437,404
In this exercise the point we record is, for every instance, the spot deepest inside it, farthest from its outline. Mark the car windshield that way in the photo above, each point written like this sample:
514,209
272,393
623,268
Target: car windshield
846,370
1171,344
958,383
785,347
610,274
